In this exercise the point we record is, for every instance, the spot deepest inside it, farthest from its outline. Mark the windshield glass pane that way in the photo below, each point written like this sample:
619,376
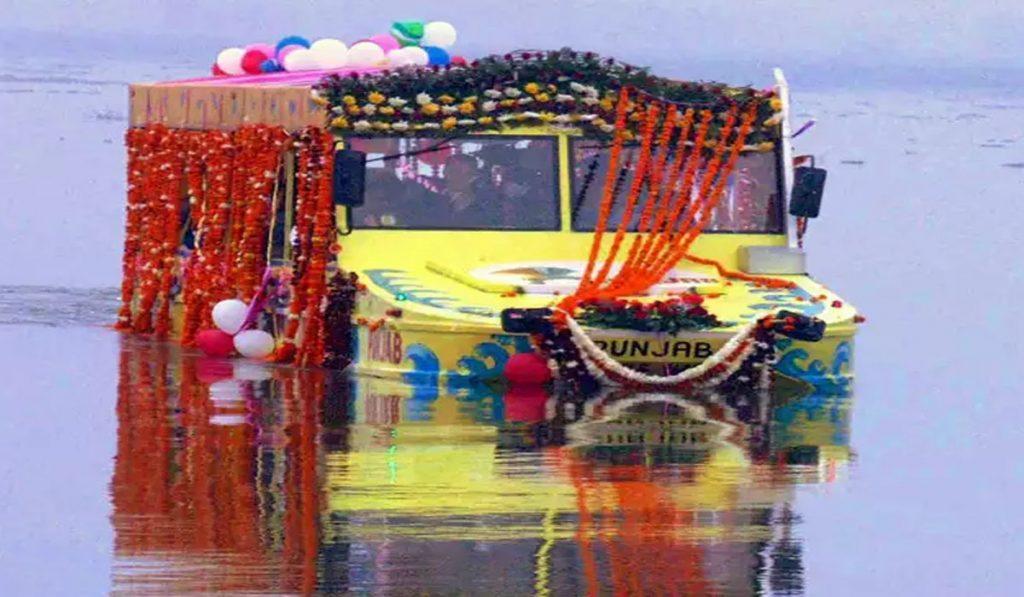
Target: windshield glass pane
473,183
750,202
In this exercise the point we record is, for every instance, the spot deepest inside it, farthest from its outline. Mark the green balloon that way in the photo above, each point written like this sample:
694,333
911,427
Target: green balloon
408,33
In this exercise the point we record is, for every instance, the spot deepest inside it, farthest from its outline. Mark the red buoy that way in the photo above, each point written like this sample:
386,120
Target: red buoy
527,369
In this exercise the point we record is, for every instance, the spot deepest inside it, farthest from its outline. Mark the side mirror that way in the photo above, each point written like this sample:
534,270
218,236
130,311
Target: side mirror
808,186
349,179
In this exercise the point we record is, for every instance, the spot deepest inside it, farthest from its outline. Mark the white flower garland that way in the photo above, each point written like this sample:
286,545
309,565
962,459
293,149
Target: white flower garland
598,362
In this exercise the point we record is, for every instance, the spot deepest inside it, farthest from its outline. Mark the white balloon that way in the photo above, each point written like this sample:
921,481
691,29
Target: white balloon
417,55
438,34
225,392
227,420
329,53
366,53
249,371
230,61
229,315
299,60
254,344
399,57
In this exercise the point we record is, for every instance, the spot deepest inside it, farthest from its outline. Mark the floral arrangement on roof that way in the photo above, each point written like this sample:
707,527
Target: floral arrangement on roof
560,89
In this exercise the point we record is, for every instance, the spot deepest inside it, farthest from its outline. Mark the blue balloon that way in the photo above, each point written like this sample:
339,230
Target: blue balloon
292,40
270,66
437,56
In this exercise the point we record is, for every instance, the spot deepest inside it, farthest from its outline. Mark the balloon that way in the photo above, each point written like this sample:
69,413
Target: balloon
437,56
251,61
227,390
215,343
291,40
249,371
254,344
458,61
267,49
398,58
230,61
526,404
365,53
299,60
528,369
229,315
330,53
417,55
228,420
283,52
210,370
386,42
408,33
217,71
439,34
269,66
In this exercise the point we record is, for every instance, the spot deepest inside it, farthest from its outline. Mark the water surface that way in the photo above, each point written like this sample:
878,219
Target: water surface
132,468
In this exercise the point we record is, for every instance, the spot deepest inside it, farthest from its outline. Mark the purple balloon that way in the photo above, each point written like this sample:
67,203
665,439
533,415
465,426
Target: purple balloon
287,50
386,42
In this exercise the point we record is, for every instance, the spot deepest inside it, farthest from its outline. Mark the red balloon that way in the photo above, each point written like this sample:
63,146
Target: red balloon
458,61
252,60
527,369
210,371
526,404
216,70
215,343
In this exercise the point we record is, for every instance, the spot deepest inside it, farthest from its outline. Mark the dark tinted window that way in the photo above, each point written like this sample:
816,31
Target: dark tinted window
750,203
472,183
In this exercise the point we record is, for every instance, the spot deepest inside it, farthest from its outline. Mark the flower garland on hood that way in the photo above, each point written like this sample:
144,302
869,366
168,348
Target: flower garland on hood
753,344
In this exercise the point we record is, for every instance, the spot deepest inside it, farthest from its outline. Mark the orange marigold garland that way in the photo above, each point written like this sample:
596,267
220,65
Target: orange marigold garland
155,194
311,352
135,143
286,350
228,180
172,201
199,150
265,150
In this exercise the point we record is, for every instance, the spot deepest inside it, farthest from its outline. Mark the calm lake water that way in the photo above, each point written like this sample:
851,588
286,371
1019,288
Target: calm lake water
131,468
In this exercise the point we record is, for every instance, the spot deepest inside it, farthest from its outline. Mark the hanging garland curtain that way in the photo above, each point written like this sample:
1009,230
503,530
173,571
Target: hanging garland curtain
228,181
680,175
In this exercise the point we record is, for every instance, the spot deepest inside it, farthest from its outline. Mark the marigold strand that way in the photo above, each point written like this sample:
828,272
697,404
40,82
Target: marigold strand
639,178
607,197
655,192
666,194
710,200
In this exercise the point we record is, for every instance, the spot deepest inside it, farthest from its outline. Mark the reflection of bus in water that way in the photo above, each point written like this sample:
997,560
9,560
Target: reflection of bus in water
289,481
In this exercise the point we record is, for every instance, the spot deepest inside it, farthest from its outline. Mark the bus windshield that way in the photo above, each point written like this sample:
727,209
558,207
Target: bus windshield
751,201
493,182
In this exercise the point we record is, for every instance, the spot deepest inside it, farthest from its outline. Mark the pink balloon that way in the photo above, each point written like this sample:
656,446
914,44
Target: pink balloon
267,49
386,42
287,50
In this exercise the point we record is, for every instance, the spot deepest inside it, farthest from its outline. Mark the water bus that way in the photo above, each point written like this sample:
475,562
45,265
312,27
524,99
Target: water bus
520,217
